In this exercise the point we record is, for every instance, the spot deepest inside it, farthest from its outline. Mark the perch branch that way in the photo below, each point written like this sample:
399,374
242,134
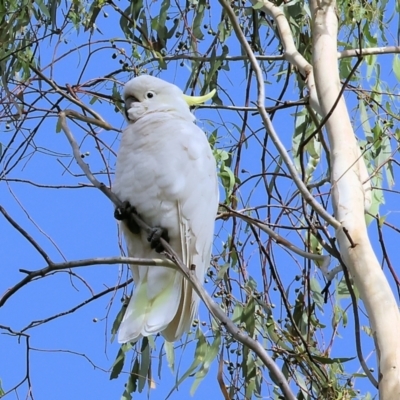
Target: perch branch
190,275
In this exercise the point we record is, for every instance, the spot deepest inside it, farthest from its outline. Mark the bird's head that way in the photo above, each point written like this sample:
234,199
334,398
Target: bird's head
146,94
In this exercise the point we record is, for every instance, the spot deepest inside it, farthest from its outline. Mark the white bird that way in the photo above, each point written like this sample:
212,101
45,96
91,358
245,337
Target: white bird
167,172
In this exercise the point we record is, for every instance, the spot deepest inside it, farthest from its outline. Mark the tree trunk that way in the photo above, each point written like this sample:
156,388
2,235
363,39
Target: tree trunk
349,197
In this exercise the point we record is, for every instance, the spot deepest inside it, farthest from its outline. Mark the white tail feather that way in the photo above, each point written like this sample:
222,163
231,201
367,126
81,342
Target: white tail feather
144,317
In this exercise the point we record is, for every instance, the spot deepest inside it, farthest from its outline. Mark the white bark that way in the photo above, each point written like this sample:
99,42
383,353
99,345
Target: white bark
292,55
349,198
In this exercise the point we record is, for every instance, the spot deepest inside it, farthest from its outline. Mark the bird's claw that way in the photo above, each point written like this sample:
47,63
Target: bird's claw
124,213
121,212
155,236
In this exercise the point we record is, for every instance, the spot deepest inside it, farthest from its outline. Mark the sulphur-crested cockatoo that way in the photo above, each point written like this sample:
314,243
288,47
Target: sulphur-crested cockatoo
167,172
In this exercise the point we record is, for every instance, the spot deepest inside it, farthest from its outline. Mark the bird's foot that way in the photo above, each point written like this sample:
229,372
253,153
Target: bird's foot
155,236
124,213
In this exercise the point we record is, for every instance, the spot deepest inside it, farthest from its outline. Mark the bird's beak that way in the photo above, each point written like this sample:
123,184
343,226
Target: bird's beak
126,112
195,100
128,104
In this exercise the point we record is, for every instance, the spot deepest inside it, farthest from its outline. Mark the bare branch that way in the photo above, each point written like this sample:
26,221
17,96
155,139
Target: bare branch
291,52
34,324
40,273
26,235
94,121
368,51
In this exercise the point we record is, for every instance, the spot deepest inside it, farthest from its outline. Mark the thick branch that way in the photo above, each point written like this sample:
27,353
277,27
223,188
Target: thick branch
368,51
292,55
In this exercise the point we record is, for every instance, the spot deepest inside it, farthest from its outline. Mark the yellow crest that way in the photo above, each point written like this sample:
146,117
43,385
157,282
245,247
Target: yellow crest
195,100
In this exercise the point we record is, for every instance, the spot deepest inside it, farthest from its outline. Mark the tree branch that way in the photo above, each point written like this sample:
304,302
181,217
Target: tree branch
34,324
40,273
26,236
292,55
368,51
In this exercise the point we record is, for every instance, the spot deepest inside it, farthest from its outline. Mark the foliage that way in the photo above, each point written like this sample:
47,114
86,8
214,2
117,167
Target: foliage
77,55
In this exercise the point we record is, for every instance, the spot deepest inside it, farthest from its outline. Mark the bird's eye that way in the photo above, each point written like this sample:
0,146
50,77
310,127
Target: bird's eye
149,95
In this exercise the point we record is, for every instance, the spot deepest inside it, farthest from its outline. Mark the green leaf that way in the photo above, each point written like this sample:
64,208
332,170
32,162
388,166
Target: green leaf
43,8
58,126
228,179
126,395
258,5
162,19
251,385
119,361
117,99
198,19
93,13
169,350
172,31
365,120
248,316
117,321
221,272
144,364
131,384
396,66
199,357
327,360
211,354
316,293
128,25
342,289
237,313
371,62
367,330
224,29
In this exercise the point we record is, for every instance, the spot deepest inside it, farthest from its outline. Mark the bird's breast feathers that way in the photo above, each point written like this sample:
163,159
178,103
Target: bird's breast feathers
161,161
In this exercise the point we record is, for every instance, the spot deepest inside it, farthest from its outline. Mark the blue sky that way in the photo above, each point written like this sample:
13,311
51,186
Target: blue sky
71,355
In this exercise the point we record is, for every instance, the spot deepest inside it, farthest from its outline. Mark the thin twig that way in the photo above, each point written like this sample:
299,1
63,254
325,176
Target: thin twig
28,237
357,325
34,324
89,120
220,378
